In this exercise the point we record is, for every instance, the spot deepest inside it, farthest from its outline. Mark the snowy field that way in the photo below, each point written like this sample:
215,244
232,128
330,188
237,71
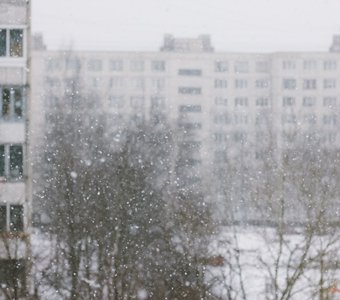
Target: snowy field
259,263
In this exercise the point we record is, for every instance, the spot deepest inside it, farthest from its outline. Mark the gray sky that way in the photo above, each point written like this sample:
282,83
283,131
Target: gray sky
234,25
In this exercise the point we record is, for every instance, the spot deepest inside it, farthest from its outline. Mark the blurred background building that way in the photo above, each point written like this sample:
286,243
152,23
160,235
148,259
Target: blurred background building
226,106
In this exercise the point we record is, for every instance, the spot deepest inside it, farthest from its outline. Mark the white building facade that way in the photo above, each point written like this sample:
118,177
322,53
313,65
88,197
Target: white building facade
15,187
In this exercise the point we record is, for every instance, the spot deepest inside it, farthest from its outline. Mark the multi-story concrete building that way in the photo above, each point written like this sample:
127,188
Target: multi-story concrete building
222,101
15,188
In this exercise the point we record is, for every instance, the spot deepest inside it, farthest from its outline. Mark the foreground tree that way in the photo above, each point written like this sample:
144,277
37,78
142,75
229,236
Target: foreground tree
119,224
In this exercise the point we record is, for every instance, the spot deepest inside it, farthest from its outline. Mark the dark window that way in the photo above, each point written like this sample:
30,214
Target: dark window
6,102
2,160
16,218
16,42
18,103
12,272
3,44
3,218
16,161
11,102
158,65
189,90
190,72
221,66
190,108
116,65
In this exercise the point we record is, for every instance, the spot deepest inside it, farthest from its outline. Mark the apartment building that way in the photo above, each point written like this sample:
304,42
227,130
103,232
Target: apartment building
15,187
221,102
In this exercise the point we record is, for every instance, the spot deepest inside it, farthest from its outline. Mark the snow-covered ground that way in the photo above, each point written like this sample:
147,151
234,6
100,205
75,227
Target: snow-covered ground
259,262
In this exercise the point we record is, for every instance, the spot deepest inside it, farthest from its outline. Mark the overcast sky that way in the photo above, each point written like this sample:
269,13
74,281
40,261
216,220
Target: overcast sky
234,25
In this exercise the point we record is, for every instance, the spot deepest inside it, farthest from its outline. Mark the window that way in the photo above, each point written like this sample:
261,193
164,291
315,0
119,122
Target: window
329,119
72,63
158,102
220,156
330,138
3,218
288,65
190,72
221,101
329,65
3,42
188,162
221,83
189,90
262,83
116,65
11,218
12,273
329,102
95,65
239,137
262,101
221,137
190,108
137,66
96,82
309,84
260,119
308,101
116,101
11,161
289,84
158,65
288,101
11,42
190,145
309,65
116,82
71,85
241,83
16,222
241,101
221,66
137,84
137,119
262,67
157,85
240,119
222,119
329,83
190,126
310,137
53,64
52,82
289,119
241,67
11,103
310,119
137,101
